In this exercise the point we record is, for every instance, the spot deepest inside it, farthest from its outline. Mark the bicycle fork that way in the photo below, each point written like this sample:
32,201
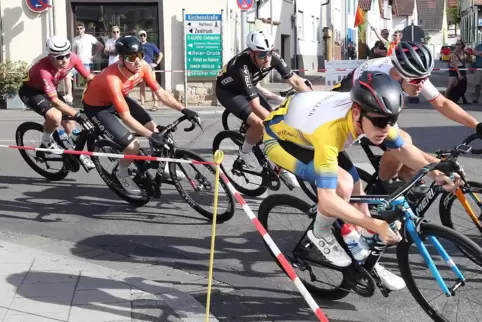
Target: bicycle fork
461,197
414,234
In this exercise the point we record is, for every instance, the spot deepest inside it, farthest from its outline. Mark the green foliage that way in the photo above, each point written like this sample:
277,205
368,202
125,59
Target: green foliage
12,74
362,31
453,15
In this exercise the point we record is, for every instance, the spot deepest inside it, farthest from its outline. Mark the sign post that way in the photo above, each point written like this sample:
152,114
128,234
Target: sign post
203,44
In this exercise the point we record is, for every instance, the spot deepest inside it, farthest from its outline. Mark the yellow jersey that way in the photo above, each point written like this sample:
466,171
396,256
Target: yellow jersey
318,121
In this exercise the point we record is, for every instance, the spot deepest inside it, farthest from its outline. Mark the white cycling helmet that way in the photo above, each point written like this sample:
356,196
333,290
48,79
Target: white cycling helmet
58,45
258,40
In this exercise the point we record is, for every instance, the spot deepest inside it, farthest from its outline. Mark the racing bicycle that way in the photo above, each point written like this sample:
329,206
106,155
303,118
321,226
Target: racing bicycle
429,240
57,166
150,184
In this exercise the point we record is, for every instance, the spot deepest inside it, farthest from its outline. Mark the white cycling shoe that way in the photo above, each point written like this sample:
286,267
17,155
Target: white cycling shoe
388,279
331,249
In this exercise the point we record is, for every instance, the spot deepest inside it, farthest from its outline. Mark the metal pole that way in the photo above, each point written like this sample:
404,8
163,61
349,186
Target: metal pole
185,55
271,15
244,29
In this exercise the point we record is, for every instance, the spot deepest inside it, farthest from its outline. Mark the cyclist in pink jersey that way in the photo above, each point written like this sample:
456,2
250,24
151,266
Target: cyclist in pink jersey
39,90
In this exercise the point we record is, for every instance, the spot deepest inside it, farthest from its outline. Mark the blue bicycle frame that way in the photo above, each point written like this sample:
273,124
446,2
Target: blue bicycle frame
409,220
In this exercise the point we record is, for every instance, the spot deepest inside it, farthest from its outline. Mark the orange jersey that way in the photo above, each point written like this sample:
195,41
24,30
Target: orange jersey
111,85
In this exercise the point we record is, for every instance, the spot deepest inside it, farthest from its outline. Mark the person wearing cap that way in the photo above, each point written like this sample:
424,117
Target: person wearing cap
150,50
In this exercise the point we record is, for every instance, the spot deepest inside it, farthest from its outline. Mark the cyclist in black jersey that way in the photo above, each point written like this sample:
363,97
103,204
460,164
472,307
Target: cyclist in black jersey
238,90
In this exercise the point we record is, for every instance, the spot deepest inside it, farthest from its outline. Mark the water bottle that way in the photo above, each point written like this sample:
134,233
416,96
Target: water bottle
352,238
367,239
75,135
64,138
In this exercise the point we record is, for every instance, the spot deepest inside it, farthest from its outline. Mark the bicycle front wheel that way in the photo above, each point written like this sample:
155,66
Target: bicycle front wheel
201,179
420,279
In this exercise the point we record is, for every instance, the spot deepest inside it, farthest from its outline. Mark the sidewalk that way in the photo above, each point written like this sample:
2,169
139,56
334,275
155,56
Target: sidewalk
38,285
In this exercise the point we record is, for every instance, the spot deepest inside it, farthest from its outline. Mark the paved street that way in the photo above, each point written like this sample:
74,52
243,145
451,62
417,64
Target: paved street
81,211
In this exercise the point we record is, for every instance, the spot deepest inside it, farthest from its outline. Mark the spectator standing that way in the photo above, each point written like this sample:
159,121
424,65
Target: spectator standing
351,51
150,51
379,49
82,46
110,45
457,76
478,72
397,37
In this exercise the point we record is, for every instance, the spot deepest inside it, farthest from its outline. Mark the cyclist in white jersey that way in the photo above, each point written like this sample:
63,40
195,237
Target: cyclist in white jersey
411,64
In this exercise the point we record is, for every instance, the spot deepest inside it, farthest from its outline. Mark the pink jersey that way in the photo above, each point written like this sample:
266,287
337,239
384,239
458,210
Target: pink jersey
44,76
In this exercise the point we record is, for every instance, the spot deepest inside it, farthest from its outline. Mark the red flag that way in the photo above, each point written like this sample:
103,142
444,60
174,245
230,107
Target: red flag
359,16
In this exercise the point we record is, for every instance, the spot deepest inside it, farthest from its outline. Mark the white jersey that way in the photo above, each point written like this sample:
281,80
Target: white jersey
384,65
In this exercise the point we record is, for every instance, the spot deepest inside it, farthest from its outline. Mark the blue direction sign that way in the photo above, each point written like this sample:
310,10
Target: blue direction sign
204,55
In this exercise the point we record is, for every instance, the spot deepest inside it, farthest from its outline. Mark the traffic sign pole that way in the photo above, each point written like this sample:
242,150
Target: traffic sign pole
185,58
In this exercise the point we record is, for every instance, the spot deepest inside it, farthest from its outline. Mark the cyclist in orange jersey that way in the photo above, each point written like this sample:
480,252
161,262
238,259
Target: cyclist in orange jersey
105,101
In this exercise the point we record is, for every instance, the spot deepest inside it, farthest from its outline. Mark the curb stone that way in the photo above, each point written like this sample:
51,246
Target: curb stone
171,304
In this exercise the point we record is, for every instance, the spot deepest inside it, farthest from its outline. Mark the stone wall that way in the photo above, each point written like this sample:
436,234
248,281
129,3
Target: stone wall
198,93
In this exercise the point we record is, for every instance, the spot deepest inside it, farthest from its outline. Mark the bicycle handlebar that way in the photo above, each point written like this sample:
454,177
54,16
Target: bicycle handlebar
172,127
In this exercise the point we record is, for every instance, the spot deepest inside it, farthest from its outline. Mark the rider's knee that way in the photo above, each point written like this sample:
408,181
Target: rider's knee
255,122
53,115
133,146
344,187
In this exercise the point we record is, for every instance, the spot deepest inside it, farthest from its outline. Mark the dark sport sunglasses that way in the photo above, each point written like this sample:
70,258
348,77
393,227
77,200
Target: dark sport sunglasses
62,57
132,57
381,122
264,54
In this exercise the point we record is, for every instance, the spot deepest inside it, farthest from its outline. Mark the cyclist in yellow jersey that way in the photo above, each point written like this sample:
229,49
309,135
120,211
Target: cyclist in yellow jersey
305,134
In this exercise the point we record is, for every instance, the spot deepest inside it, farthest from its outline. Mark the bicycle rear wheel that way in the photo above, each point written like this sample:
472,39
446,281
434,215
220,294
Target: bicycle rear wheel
250,182
107,146
200,183
298,210
466,266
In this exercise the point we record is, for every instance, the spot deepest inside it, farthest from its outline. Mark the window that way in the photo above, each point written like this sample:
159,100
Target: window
316,24
99,19
300,21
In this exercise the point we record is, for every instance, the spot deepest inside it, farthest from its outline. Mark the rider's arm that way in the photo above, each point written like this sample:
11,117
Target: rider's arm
251,93
268,94
163,95
79,66
120,104
454,112
51,92
406,152
293,79
329,203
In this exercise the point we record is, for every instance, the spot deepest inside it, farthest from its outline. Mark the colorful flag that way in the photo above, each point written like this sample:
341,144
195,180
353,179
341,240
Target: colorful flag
359,16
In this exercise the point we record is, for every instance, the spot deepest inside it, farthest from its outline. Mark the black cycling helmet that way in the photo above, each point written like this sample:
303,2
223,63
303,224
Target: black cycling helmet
412,59
377,92
127,45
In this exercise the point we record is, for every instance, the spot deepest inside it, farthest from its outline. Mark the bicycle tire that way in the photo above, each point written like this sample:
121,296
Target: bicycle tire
238,139
111,182
221,217
20,132
403,250
291,201
445,204
312,189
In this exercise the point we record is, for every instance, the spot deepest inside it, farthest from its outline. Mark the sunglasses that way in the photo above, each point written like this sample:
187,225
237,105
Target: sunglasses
416,81
62,57
458,44
142,35
132,57
264,54
381,122
116,32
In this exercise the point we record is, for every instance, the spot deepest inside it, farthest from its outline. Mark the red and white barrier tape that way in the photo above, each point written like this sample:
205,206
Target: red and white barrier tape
279,256
269,241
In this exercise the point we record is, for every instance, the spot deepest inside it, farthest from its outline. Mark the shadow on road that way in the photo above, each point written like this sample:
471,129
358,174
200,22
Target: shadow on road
61,198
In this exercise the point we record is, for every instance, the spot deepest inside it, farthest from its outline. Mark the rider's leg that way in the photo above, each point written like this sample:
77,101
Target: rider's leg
53,118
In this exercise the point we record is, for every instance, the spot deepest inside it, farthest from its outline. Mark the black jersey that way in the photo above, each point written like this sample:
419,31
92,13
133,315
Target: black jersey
240,75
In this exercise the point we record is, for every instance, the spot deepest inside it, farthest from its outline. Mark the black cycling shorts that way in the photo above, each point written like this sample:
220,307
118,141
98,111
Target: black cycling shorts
306,156
36,99
106,120
237,104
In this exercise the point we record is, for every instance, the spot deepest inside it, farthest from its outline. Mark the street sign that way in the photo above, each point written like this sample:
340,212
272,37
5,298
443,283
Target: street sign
37,6
204,55
245,4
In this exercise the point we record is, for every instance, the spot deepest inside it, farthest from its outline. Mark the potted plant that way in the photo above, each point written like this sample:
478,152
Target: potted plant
12,74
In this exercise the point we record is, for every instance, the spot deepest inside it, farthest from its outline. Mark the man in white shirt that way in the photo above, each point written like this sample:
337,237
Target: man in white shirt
82,46
110,45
